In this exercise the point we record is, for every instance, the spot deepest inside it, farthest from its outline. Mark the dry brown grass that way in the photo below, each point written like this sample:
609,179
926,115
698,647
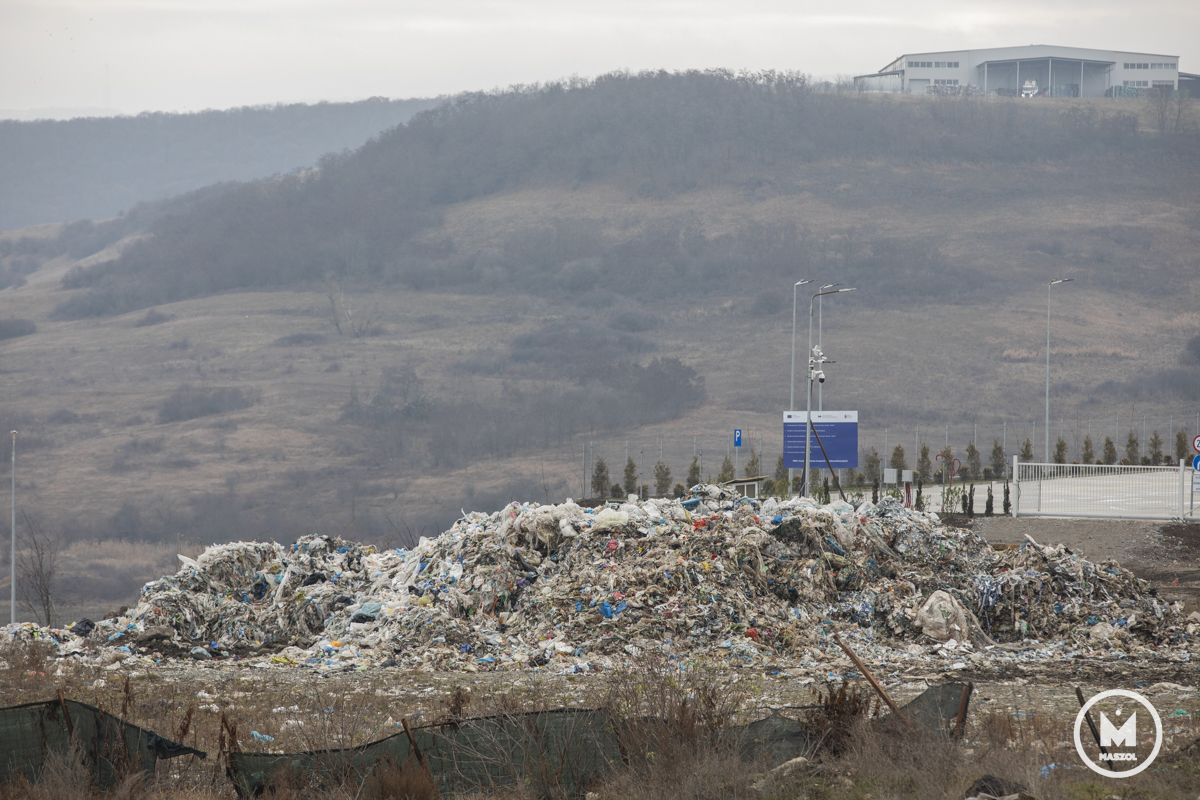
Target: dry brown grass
675,726
286,466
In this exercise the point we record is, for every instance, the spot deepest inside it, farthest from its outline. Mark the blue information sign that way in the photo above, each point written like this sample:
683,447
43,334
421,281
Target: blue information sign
737,437
839,434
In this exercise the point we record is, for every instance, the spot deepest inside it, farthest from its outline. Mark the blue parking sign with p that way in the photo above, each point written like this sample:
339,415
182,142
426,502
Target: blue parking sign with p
737,437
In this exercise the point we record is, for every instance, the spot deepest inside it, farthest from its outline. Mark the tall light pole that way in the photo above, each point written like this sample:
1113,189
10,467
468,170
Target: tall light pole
792,402
820,337
12,603
1046,430
815,359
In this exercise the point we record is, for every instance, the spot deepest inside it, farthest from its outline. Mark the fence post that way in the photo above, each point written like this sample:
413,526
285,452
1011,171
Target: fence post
1181,483
1016,488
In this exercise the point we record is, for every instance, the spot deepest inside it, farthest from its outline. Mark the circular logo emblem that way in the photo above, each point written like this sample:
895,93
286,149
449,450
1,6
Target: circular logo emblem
1118,741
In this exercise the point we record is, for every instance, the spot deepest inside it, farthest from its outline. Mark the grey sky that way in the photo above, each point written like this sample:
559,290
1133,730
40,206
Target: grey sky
185,55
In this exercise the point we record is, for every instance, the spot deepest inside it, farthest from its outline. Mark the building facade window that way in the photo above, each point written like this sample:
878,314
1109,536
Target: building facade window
1136,84
945,82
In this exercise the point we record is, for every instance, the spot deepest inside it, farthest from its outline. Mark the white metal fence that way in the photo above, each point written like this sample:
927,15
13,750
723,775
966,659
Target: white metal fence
1092,490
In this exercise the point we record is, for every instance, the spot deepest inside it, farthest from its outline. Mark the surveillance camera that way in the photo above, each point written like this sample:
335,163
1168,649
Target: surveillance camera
820,377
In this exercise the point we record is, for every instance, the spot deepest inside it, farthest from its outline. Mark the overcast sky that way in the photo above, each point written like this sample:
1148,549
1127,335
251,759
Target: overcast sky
187,55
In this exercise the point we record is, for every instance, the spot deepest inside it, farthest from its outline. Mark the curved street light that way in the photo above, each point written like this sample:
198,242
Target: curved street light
792,402
820,336
1046,430
815,358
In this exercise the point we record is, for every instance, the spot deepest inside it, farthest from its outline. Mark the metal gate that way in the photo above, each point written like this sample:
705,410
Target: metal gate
1094,490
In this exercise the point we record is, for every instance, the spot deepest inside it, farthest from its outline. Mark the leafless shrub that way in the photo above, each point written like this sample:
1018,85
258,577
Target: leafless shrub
153,317
839,710
190,402
350,320
392,781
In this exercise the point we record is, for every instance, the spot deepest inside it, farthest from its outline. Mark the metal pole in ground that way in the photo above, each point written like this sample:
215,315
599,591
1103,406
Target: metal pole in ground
814,362
12,606
1015,494
1046,436
792,402
1182,464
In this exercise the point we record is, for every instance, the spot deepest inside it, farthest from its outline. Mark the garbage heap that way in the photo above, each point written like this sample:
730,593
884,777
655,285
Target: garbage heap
713,575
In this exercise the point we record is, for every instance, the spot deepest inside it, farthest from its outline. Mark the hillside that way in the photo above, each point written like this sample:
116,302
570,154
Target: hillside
375,214
498,306
89,168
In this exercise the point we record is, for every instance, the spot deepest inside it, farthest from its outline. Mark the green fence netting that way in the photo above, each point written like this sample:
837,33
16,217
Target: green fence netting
565,749
30,733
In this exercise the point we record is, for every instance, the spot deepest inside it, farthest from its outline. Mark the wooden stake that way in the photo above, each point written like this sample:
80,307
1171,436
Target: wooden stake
960,721
412,741
874,683
1091,724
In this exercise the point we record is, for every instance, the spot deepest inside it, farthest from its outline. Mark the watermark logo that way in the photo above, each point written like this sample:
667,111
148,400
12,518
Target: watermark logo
1118,740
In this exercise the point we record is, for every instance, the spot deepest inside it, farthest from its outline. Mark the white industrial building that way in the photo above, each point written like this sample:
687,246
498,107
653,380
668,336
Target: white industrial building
1056,71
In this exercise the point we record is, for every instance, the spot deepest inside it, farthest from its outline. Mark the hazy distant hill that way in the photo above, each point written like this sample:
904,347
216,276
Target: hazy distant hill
58,171
371,213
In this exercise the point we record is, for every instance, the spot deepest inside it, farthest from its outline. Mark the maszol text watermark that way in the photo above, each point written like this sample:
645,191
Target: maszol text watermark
1117,740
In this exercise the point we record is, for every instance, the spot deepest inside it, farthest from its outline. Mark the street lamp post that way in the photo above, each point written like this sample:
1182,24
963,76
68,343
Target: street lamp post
12,604
815,359
1046,430
792,402
820,336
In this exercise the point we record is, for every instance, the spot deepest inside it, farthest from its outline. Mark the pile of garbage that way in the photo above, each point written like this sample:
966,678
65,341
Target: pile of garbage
714,575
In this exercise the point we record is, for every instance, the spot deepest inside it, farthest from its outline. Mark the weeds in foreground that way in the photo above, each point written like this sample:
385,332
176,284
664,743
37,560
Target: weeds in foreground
677,726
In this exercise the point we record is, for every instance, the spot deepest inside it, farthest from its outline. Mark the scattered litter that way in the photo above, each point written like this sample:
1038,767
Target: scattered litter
574,589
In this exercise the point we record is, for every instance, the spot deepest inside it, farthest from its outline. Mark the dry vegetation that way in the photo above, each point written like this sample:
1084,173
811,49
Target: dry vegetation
677,738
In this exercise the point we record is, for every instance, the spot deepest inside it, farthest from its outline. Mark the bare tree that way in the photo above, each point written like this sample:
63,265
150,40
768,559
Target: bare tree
1182,110
1161,103
358,322
334,294
38,563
